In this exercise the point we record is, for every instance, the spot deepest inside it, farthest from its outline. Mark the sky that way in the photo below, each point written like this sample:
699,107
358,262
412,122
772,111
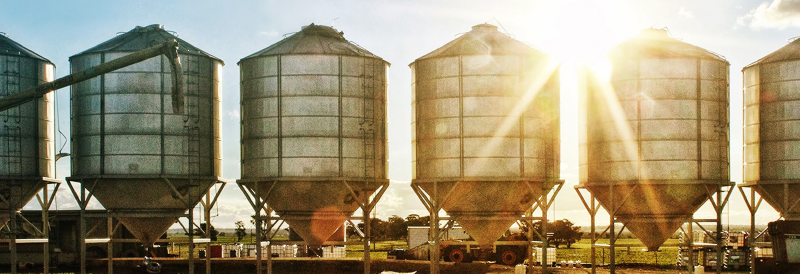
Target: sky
576,32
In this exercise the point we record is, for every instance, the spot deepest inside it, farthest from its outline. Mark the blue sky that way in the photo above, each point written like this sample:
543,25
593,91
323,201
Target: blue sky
574,31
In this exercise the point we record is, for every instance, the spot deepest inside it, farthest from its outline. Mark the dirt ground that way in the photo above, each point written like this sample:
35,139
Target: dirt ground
337,266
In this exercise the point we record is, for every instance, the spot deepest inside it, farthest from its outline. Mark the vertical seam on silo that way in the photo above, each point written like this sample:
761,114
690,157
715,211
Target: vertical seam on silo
102,117
461,115
638,120
521,93
341,158
163,153
699,115
37,133
280,117
726,124
758,124
556,127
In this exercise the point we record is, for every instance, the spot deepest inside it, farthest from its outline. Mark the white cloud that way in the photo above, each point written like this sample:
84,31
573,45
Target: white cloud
234,114
779,14
684,13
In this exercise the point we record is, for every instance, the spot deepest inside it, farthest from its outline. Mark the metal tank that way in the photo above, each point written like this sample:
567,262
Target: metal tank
654,144
772,129
142,161
485,129
27,152
313,109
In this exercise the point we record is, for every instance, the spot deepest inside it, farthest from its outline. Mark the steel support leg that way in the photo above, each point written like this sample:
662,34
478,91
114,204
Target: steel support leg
110,225
191,240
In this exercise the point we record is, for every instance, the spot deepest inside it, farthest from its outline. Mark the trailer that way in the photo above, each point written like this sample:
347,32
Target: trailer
456,246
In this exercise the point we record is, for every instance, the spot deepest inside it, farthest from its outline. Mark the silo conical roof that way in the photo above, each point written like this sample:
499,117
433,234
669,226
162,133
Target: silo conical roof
314,39
483,39
790,51
656,43
143,37
10,47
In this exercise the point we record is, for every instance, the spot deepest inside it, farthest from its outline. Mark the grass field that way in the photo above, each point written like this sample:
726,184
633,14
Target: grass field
580,251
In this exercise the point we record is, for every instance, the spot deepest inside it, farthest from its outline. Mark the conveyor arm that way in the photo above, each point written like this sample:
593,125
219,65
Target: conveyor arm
169,49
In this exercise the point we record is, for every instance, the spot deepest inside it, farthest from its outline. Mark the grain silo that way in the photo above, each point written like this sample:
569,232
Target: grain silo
772,129
144,163
485,130
27,152
313,109
654,143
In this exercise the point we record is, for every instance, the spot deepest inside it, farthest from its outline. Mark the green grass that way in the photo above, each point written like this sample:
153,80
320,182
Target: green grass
634,255
579,251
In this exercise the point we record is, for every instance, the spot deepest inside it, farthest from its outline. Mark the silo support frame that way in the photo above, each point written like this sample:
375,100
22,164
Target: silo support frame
208,203
753,205
367,206
84,195
254,198
433,203
544,203
257,203
83,199
13,227
593,206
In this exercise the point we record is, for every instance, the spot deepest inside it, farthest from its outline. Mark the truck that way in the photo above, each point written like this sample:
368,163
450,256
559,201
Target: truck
456,246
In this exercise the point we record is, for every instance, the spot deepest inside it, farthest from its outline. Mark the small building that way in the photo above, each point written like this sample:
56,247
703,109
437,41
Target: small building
64,239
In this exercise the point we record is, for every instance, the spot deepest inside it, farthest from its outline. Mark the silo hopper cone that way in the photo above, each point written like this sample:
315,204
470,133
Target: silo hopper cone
653,232
148,230
486,209
17,193
314,209
653,211
154,197
774,195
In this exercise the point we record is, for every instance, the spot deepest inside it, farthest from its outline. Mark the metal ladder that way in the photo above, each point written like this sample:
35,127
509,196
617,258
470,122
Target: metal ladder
368,120
12,118
192,119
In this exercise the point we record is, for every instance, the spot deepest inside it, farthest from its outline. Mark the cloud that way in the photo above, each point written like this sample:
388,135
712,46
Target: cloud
684,13
234,114
779,14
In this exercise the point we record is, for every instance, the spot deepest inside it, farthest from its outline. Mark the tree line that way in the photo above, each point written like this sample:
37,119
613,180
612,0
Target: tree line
395,228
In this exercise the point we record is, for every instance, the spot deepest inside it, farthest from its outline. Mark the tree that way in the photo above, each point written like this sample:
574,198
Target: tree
560,232
565,232
241,232
416,220
397,228
212,234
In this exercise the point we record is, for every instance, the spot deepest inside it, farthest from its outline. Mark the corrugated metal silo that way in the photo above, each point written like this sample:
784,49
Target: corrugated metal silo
772,129
485,129
313,118
129,148
26,137
654,147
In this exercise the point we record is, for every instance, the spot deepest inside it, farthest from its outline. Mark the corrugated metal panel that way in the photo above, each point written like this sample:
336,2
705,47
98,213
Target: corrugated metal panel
27,151
486,115
126,136
314,116
656,144
772,128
